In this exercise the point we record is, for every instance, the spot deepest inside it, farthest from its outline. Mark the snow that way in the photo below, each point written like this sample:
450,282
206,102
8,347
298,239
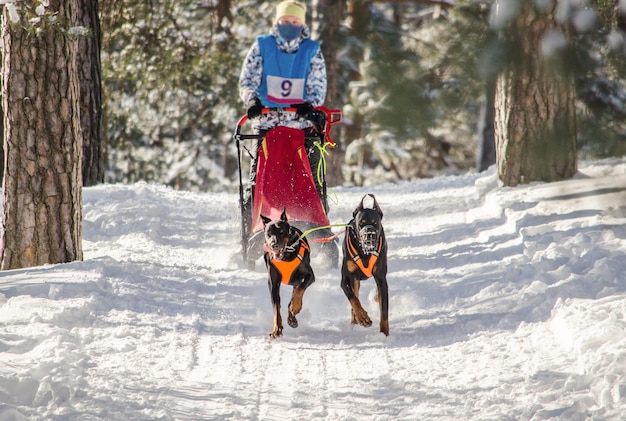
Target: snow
505,304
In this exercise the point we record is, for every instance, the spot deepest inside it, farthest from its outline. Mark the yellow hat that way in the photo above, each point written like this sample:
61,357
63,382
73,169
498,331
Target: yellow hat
291,8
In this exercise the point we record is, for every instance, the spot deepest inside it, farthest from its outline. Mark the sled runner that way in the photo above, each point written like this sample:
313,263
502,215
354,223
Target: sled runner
284,180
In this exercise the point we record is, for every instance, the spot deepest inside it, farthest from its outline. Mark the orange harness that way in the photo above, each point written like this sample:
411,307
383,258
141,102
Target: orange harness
354,254
287,267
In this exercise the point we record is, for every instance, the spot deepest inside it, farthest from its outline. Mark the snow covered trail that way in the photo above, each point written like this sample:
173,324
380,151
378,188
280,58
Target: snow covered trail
505,304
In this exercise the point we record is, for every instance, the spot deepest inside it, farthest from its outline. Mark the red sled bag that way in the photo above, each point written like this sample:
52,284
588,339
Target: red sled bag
284,180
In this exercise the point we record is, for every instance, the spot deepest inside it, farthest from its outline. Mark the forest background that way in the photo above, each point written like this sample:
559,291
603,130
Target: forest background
414,79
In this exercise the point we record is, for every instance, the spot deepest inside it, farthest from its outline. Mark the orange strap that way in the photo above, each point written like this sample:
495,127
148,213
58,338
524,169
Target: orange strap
369,269
286,268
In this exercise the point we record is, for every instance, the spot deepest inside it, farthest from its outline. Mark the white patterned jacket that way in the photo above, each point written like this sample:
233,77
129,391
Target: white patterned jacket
250,80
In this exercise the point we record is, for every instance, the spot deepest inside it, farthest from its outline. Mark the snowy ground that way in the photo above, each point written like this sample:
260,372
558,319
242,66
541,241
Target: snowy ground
505,304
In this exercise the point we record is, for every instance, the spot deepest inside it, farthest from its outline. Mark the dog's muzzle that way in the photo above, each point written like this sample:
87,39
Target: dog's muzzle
274,249
368,236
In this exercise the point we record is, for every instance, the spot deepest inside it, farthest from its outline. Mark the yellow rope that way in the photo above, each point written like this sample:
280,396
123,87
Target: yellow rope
307,232
321,166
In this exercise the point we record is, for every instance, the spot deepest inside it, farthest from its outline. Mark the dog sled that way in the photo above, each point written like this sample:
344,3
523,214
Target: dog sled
284,181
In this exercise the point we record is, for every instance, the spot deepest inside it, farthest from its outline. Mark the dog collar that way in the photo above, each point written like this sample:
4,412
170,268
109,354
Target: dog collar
287,267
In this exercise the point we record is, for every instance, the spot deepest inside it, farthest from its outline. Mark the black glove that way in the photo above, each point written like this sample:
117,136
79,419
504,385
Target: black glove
254,108
303,109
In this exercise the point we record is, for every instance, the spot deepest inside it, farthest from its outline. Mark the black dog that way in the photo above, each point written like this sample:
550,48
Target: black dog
364,256
288,261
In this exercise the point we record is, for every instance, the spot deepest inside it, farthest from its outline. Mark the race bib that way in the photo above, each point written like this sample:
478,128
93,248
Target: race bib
285,90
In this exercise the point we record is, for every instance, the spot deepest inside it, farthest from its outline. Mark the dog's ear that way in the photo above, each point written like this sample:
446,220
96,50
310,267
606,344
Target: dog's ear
265,219
359,208
283,216
377,207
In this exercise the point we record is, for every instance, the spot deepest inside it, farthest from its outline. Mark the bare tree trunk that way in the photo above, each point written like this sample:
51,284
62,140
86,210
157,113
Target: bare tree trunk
89,71
487,139
43,144
620,13
329,16
535,112
2,141
358,17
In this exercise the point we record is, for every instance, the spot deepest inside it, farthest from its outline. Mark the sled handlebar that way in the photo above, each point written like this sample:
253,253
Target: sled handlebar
332,117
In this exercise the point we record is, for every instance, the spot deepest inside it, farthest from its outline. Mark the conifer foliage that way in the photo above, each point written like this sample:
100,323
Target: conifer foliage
412,80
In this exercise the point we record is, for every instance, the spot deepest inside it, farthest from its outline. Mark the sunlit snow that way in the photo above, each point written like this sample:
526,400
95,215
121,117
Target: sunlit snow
505,304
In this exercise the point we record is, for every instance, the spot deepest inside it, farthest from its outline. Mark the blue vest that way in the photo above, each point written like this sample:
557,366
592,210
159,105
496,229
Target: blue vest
283,81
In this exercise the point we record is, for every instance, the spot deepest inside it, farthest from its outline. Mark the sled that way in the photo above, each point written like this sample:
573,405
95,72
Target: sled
284,180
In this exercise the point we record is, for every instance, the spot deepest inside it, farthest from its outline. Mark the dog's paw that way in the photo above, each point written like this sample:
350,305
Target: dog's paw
277,332
361,318
384,327
292,321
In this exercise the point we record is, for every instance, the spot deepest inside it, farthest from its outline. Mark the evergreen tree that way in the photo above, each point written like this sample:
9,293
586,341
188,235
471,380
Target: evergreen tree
171,77
535,122
599,55
43,141
411,79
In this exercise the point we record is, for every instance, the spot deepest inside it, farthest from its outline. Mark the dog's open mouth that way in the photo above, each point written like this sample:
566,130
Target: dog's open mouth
278,254
368,236
276,250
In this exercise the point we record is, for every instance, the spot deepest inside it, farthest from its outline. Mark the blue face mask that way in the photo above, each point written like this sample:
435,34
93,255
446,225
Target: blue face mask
289,32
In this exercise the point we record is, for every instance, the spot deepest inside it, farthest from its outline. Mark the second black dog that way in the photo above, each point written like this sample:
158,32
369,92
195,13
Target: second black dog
288,260
364,256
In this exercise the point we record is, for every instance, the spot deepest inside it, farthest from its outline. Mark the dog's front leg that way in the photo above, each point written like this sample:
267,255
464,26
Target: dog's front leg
383,303
275,297
356,288
295,305
351,289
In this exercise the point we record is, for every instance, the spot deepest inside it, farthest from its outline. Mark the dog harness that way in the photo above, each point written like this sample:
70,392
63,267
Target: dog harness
356,257
287,267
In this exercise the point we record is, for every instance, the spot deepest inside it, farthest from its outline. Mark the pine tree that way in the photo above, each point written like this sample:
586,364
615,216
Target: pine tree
43,144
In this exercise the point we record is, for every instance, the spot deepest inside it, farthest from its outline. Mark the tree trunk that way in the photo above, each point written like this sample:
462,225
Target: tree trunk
329,16
487,139
2,142
43,144
535,120
89,72
620,13
358,18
